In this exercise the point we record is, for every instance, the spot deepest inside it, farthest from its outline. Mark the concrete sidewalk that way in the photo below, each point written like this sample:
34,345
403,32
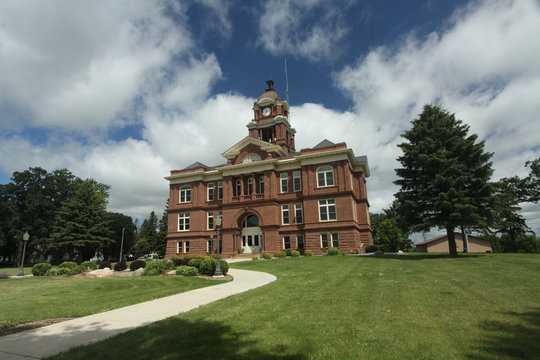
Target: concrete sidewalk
53,339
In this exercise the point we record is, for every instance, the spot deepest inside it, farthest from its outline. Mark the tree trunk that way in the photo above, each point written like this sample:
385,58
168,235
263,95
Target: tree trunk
451,241
464,239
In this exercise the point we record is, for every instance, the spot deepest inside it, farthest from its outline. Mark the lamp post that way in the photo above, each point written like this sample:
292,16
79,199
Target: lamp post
217,271
25,239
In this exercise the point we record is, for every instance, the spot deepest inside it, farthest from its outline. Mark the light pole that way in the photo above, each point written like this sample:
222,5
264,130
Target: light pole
217,271
25,239
122,245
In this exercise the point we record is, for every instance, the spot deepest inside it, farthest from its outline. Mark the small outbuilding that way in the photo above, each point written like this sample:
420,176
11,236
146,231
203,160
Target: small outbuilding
440,244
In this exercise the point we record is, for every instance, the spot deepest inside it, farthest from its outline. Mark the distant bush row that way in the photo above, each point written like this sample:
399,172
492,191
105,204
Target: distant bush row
69,268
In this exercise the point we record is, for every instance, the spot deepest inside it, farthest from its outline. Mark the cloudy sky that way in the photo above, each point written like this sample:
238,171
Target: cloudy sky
125,91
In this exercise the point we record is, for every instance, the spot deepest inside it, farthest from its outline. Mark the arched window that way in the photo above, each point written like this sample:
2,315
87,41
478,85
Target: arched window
238,187
251,157
185,194
250,186
250,221
325,176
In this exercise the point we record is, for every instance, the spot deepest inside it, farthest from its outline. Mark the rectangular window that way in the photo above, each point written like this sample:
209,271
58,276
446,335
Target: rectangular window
209,246
183,222
220,190
285,214
300,242
210,192
327,210
286,242
185,194
182,247
284,181
330,240
210,220
297,181
298,214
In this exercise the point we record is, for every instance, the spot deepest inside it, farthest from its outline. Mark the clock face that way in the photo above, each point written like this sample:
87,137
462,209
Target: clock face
266,111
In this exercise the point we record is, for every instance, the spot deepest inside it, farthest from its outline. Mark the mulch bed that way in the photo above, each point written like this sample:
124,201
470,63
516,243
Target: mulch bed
30,326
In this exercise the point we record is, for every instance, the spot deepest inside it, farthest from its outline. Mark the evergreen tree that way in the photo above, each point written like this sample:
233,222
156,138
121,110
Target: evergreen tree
119,223
149,232
389,235
162,232
81,225
444,177
140,248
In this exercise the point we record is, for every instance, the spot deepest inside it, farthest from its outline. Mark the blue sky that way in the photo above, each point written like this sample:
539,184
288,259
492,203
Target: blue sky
124,91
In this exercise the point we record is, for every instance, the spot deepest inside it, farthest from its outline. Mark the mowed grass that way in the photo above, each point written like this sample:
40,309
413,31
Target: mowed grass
340,307
39,298
15,270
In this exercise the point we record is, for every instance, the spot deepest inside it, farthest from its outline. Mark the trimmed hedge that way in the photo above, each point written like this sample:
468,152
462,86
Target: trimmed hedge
89,265
267,256
120,266
40,269
208,267
137,264
72,266
295,253
186,270
158,267
280,254
332,251
105,264
59,271
308,253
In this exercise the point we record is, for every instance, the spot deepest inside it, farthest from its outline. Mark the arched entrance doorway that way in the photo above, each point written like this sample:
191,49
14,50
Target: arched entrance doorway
252,236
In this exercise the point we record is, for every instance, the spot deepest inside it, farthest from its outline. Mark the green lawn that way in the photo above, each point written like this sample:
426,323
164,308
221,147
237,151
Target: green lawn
15,270
409,307
38,298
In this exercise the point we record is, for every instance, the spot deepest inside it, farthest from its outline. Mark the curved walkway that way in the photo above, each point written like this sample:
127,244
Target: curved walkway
53,339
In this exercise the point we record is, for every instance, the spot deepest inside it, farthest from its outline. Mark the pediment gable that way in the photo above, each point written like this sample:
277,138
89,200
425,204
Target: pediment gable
252,145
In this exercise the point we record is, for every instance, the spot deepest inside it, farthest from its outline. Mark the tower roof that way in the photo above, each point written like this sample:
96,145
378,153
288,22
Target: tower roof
270,92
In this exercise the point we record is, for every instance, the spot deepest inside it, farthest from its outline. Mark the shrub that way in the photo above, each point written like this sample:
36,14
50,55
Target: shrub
59,271
158,267
308,253
371,248
295,253
105,264
208,267
332,251
186,270
254,258
288,252
89,265
343,253
120,266
137,264
40,269
72,266
267,256
4,275
280,254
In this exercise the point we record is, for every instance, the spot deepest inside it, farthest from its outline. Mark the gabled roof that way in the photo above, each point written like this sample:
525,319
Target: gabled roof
195,165
444,236
263,145
323,144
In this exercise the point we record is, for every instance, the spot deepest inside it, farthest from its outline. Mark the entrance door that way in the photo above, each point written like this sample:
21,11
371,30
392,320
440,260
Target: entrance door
251,235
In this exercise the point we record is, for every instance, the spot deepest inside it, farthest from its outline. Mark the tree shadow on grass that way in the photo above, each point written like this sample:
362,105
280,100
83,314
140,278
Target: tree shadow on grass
423,256
176,338
517,338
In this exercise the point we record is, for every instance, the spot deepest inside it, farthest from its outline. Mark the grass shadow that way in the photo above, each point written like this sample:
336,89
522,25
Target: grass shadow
517,338
177,338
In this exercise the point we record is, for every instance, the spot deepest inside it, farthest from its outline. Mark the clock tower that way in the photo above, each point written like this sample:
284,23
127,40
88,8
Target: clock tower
271,120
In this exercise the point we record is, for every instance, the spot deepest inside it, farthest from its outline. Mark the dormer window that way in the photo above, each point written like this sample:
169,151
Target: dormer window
251,157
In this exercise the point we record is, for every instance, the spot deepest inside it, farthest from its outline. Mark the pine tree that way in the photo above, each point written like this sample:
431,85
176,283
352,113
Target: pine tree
444,177
81,225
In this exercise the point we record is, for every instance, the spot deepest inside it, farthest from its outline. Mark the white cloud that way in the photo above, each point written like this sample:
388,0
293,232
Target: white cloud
288,27
482,67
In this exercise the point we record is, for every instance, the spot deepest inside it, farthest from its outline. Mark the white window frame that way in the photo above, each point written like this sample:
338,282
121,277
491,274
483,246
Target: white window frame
328,205
284,182
220,190
297,181
209,246
285,215
325,176
184,195
303,242
210,220
298,213
238,187
182,247
183,221
283,242
332,239
210,195
250,185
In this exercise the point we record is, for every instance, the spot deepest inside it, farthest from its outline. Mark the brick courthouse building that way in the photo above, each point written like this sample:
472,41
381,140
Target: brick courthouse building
269,196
